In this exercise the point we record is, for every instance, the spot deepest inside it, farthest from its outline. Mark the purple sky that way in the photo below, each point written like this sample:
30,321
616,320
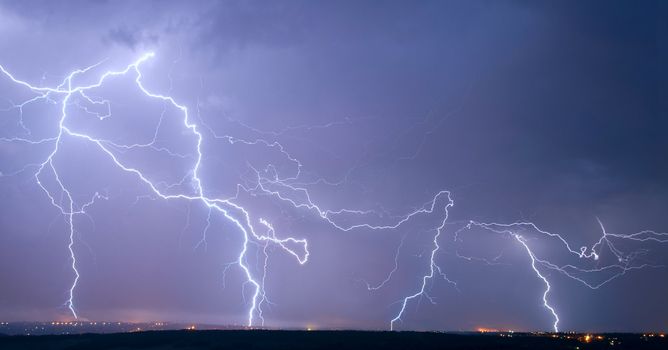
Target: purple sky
552,113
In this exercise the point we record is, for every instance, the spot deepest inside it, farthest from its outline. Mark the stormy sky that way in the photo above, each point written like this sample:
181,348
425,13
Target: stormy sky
549,112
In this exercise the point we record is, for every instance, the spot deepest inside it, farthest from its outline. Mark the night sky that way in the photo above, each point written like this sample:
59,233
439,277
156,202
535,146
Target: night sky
545,112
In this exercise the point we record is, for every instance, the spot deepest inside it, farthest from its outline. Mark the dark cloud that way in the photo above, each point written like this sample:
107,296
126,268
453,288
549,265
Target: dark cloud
131,37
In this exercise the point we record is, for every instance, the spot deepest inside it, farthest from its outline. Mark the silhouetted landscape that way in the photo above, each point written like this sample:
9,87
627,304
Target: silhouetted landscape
266,339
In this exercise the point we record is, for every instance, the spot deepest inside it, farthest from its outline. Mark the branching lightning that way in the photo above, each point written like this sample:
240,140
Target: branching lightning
623,261
433,268
259,233
290,189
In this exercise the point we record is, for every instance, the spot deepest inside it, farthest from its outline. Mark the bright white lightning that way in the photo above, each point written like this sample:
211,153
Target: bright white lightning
288,189
225,206
625,261
555,325
433,267
268,182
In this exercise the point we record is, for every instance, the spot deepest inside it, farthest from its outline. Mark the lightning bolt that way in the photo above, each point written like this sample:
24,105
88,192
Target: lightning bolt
224,206
555,325
289,189
610,242
389,275
433,267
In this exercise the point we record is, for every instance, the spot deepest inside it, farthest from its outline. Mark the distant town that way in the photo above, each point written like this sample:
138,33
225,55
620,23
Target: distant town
81,327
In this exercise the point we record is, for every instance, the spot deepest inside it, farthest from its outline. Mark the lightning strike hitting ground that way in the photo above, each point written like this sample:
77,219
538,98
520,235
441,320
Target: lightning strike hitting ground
289,189
623,261
433,268
286,189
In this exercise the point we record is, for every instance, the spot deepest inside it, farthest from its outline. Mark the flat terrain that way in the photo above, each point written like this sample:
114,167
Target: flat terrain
263,339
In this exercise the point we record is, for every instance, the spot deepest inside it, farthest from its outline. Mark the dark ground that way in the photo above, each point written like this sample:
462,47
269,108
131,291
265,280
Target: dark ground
262,339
